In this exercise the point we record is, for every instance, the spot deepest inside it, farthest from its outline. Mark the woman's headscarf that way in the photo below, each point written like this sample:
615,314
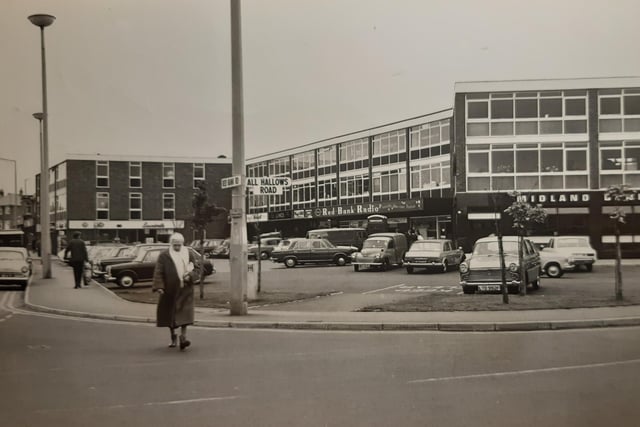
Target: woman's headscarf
179,257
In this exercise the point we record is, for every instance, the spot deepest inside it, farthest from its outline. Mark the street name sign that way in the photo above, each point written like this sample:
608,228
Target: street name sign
268,185
232,181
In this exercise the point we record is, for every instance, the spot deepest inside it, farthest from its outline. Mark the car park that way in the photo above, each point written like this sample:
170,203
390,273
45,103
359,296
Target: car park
141,269
436,253
380,250
15,266
482,271
312,251
576,249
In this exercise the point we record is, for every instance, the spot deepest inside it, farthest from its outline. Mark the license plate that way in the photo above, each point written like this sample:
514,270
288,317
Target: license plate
6,275
488,287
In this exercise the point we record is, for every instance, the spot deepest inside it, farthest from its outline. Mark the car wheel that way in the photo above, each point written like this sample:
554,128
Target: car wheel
356,267
341,260
385,265
445,266
589,267
290,262
410,270
554,270
264,255
126,281
468,289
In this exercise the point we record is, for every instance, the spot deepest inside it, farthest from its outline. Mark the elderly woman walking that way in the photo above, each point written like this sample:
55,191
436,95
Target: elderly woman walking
175,273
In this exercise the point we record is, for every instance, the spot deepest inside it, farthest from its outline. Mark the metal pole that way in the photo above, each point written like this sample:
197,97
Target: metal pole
45,236
238,244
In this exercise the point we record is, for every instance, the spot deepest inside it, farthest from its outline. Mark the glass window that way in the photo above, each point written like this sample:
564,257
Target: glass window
610,106
477,129
478,162
575,107
526,108
576,160
526,161
135,205
631,104
135,174
168,175
551,160
502,109
551,107
527,128
610,159
478,110
501,128
102,205
102,174
168,206
502,161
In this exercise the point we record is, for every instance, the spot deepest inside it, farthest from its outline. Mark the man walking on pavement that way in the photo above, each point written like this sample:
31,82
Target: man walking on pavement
78,257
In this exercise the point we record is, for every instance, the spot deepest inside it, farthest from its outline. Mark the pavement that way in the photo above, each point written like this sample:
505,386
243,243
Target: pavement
56,295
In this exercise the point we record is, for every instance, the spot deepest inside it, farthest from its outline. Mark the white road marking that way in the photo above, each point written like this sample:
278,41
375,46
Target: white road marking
525,372
383,289
126,406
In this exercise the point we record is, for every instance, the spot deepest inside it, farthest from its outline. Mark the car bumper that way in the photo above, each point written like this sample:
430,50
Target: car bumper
14,279
581,261
370,261
423,264
109,278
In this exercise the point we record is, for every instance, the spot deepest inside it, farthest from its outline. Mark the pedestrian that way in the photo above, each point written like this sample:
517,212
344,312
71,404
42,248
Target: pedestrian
79,256
175,273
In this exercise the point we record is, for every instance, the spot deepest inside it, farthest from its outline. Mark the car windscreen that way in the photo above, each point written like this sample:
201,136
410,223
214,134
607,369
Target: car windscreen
11,256
491,248
423,245
375,243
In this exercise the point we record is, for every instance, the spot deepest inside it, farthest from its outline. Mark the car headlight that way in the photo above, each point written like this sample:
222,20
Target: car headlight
513,267
463,267
25,269
354,255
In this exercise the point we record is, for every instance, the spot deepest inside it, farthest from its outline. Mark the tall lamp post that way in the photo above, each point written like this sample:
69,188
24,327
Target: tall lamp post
42,21
15,189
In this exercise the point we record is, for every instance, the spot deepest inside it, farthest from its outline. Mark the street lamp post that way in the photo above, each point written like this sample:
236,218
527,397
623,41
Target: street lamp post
42,21
15,190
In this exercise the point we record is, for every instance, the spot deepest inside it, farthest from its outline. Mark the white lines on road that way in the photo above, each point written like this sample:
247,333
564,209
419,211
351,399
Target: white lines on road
524,372
383,289
7,303
139,405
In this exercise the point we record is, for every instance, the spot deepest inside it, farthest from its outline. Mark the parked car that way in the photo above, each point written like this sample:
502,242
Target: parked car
222,250
210,245
340,236
141,268
267,245
111,252
15,266
576,249
312,251
285,243
99,268
433,253
381,250
482,272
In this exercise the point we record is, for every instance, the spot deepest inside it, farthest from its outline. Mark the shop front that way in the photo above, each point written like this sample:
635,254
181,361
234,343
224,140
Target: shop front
585,213
130,231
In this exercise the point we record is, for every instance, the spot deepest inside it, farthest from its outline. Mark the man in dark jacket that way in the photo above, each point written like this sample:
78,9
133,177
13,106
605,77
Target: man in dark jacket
79,256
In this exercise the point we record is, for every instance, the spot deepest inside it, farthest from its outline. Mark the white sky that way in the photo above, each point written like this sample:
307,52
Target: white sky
153,76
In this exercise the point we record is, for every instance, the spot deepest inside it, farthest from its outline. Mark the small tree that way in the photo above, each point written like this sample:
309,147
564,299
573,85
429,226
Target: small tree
619,193
203,214
524,216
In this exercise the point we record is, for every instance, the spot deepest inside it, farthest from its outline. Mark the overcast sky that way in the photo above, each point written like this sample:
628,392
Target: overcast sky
153,76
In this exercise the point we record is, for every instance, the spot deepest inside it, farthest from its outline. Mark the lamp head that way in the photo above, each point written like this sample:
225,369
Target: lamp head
42,20
38,116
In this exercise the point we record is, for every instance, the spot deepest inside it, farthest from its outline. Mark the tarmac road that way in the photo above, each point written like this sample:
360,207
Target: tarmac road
70,372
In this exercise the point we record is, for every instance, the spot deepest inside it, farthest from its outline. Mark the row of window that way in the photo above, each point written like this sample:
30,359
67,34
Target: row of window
135,206
135,174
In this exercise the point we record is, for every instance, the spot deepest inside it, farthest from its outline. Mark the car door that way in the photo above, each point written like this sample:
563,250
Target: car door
531,260
447,253
302,250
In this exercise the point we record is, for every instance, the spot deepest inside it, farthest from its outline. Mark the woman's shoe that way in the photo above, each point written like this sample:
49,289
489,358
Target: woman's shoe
174,341
184,342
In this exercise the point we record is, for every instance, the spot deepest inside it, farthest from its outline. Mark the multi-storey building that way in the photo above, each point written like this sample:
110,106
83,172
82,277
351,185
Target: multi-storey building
559,143
401,170
133,199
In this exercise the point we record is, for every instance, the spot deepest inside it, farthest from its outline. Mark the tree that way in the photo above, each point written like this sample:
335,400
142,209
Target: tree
524,216
618,194
203,214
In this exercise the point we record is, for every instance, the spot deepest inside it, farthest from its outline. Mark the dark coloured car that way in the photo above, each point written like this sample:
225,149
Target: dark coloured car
312,251
141,268
99,268
267,246
222,250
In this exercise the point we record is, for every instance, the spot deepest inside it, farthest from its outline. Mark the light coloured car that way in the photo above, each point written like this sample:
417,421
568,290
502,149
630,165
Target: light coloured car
576,249
380,250
15,266
440,254
267,244
482,272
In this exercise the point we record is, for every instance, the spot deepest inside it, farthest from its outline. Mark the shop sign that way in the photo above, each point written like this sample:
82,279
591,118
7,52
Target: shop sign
127,224
554,198
280,215
633,197
257,217
303,213
384,207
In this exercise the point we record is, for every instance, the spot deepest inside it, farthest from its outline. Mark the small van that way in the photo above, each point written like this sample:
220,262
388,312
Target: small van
381,250
340,236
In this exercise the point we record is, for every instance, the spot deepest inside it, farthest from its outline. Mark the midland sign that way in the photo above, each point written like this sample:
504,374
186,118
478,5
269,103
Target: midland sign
267,186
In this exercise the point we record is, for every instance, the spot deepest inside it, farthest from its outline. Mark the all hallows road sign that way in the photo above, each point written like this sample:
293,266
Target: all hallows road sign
267,185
